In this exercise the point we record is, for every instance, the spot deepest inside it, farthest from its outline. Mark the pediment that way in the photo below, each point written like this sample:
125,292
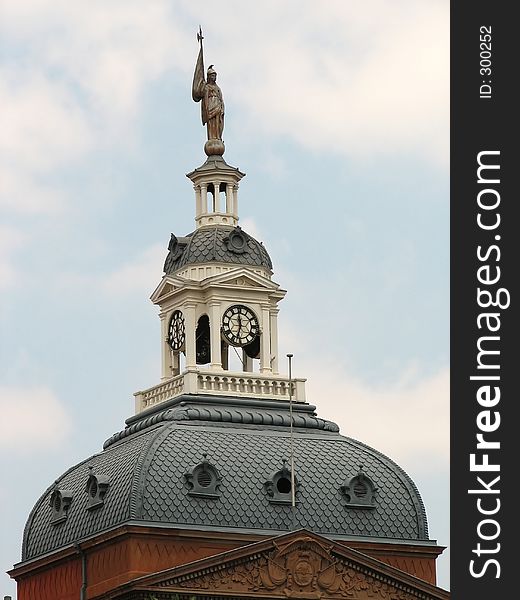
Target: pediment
299,565
241,278
169,285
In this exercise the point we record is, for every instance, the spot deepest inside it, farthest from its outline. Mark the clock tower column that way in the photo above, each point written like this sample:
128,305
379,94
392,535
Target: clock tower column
215,335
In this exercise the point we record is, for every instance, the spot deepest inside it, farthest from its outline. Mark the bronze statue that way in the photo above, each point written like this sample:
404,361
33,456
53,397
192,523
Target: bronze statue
212,107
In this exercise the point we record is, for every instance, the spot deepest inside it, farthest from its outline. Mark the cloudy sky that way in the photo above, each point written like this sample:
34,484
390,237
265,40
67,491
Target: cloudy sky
337,112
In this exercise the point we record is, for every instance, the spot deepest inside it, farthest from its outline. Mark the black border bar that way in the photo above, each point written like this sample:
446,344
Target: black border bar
485,256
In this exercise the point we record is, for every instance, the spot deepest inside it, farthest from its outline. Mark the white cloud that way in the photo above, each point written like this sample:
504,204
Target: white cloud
358,80
22,192
250,226
355,80
42,124
405,416
105,52
137,277
141,275
339,76
408,420
43,128
10,240
32,419
72,86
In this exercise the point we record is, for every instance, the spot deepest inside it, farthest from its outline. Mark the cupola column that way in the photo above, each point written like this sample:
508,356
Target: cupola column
265,342
234,204
204,198
216,196
215,338
274,339
189,320
198,201
166,350
229,199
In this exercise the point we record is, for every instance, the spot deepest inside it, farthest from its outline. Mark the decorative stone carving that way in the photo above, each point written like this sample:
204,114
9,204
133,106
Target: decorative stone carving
175,250
302,569
236,241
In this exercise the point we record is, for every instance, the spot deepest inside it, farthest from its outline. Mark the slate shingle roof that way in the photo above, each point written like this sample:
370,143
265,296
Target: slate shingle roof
208,244
146,465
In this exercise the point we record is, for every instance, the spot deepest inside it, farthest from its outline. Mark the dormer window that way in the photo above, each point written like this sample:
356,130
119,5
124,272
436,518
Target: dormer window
360,492
60,502
236,241
203,480
96,488
279,487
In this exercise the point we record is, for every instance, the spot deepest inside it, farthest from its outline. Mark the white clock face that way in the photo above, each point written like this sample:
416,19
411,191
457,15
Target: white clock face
239,325
176,333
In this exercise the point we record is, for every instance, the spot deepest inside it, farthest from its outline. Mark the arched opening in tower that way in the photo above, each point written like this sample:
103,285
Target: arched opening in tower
241,358
202,341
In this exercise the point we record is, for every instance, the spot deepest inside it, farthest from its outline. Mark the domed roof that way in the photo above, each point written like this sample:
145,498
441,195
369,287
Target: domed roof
217,463
217,243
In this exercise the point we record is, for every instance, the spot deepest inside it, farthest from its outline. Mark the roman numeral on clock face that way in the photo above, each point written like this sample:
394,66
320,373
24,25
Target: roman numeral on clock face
176,332
239,325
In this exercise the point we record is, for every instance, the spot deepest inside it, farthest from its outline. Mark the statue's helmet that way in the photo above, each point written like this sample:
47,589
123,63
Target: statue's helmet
211,70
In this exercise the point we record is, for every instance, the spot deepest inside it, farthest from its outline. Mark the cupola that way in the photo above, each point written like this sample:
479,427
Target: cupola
218,302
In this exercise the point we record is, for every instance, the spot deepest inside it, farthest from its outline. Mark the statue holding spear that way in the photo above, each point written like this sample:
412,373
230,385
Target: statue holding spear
212,107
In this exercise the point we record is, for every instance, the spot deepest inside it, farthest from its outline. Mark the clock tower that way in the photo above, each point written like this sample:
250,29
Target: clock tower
218,303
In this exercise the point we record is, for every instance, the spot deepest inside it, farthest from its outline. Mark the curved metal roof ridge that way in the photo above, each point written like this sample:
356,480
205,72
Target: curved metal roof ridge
254,414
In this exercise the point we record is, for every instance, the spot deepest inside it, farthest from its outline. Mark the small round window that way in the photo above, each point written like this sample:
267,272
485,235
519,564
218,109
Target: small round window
237,241
283,485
